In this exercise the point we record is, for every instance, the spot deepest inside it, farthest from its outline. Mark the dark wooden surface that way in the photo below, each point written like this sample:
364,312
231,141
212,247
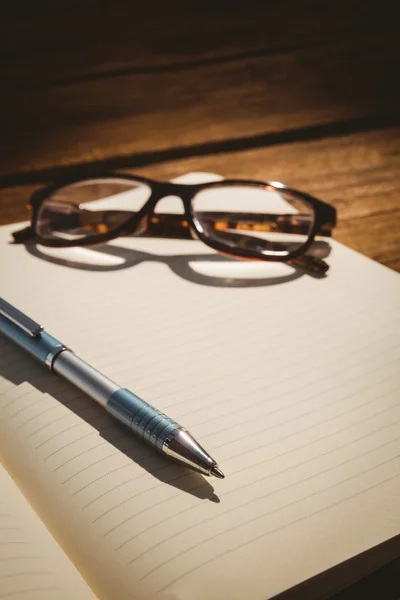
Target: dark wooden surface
302,92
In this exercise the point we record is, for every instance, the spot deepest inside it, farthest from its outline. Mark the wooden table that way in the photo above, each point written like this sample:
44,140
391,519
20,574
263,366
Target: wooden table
300,92
303,93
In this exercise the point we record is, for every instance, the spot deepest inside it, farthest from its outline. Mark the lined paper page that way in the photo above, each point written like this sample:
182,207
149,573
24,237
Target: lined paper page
292,384
31,563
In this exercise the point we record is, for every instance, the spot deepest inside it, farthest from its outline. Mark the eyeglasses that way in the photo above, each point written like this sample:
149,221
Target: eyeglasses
252,220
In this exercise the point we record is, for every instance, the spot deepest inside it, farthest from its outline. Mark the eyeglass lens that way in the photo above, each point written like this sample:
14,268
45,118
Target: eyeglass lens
262,220
259,219
90,208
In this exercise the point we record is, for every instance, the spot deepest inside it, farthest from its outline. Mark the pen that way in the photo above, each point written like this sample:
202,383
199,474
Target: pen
146,422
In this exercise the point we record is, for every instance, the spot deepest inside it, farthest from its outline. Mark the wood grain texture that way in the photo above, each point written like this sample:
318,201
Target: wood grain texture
302,94
129,114
59,42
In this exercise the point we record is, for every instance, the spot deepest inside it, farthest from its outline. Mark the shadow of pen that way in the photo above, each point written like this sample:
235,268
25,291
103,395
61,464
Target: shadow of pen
18,368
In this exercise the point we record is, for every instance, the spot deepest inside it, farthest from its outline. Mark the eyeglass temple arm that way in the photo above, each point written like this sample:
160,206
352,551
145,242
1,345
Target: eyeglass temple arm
23,235
311,263
170,225
167,225
312,260
176,226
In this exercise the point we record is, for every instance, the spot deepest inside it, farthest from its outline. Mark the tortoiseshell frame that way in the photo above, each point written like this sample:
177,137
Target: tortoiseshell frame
146,222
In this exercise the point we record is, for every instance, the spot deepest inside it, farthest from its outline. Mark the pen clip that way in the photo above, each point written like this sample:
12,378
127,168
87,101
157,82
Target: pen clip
25,323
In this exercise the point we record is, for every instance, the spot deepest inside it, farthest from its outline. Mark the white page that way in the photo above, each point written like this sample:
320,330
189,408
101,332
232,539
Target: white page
32,565
290,382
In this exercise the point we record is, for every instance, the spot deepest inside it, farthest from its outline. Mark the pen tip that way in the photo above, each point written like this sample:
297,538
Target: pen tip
216,471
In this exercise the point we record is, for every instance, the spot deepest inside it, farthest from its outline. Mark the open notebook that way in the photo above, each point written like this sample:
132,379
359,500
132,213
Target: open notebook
292,383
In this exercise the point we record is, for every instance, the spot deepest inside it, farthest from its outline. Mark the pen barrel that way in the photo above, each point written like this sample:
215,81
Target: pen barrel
148,423
145,421
43,347
84,376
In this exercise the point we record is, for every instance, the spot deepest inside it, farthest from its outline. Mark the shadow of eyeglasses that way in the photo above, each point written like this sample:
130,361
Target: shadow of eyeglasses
225,271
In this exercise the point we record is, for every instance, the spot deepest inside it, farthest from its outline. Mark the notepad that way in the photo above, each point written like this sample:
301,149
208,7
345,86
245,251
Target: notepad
291,382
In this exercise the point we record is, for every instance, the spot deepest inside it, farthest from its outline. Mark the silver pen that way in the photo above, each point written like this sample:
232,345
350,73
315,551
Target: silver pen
146,422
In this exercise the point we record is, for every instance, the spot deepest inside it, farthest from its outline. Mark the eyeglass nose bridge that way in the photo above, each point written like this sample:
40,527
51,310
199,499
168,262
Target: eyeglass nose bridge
148,222
164,190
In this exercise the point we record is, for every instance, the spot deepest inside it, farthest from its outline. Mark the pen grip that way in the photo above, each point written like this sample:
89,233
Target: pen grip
148,423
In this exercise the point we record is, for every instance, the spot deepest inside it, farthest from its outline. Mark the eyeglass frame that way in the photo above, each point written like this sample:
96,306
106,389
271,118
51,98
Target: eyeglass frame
183,225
